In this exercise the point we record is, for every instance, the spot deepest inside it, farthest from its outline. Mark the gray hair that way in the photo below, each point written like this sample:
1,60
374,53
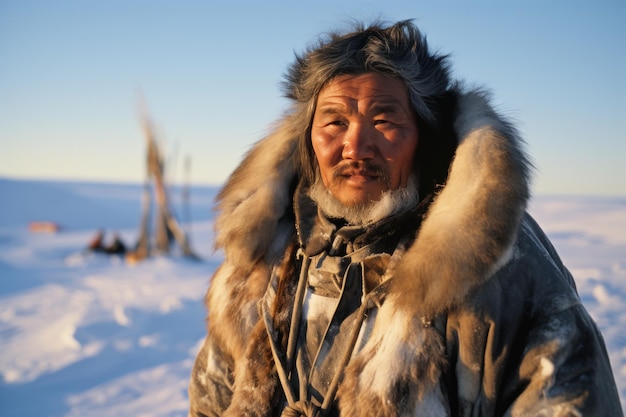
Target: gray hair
399,51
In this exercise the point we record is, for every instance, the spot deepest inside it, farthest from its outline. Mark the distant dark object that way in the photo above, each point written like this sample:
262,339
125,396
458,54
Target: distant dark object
116,247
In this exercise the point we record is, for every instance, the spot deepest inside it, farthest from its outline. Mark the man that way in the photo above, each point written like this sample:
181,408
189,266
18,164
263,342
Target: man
379,260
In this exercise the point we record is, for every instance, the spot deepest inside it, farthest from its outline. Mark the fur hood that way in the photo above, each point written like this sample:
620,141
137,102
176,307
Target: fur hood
430,306
466,235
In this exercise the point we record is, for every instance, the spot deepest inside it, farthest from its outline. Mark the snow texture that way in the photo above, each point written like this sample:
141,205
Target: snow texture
85,334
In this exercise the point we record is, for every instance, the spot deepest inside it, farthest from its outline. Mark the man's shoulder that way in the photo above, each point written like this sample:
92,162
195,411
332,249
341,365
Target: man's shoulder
535,270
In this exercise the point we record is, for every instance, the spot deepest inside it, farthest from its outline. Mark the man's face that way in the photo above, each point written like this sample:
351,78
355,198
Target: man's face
364,136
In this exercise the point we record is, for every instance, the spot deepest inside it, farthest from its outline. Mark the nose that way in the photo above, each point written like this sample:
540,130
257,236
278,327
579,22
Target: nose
358,143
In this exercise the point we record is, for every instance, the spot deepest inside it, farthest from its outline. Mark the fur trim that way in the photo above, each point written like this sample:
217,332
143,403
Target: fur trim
255,373
232,303
375,386
471,225
256,378
256,196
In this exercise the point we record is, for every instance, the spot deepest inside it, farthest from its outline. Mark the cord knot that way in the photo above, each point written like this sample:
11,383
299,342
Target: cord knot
301,409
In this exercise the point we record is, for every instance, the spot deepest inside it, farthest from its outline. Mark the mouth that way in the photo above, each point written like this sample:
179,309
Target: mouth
360,176
361,172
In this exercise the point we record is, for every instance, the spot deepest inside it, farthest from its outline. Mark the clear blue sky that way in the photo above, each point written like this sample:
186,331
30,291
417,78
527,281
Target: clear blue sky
210,72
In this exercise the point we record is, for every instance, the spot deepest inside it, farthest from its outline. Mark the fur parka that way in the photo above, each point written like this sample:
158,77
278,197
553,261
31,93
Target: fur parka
479,317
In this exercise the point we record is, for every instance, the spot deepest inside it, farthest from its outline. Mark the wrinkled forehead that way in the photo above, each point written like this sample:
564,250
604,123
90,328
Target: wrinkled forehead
365,95
384,81
371,88
362,91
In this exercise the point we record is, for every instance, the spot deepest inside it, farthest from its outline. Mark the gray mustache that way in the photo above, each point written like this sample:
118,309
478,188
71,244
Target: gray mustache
365,167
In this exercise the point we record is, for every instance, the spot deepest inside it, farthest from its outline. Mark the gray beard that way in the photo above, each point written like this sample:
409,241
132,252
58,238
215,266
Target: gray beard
390,203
